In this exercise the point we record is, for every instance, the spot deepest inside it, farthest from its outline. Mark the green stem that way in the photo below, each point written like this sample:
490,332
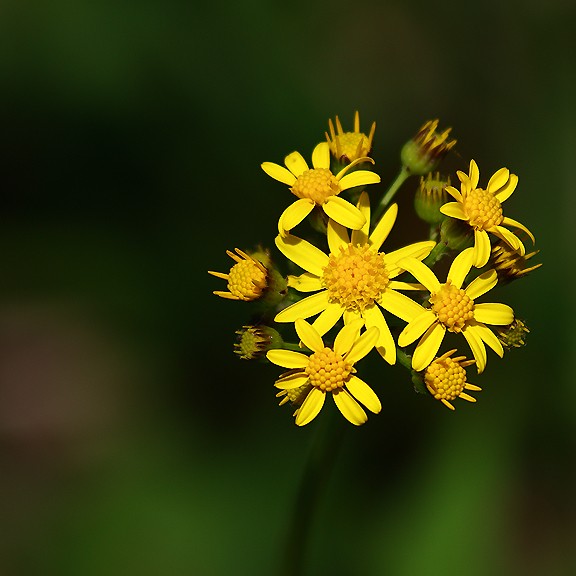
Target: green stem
404,359
295,347
437,252
394,187
320,463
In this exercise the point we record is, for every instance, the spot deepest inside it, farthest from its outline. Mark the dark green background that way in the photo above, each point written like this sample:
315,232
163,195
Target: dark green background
132,441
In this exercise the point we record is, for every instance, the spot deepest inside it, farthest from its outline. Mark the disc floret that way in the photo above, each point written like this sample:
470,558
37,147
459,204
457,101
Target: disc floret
318,184
327,370
453,307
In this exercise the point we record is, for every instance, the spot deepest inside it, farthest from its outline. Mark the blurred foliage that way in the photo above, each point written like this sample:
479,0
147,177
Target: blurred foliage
132,441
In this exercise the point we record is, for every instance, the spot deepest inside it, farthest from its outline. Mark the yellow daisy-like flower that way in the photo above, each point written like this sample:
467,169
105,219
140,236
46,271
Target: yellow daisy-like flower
445,379
454,309
317,186
349,146
355,279
247,279
329,370
482,209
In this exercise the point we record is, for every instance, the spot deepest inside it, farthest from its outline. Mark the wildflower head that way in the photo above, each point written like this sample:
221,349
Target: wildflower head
445,379
317,184
423,153
430,196
328,370
349,146
247,279
513,335
510,264
453,307
254,341
355,277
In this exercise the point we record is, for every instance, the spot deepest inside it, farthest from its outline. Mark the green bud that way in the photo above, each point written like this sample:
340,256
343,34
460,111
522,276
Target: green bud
254,341
429,197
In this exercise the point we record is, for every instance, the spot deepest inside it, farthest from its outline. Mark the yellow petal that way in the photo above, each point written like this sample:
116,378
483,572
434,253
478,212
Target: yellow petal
359,178
305,308
418,250
481,248
278,173
294,214
321,156
361,236
337,237
302,253
515,224
509,237
382,229
350,409
364,394
454,210
310,338
476,345
347,336
347,168
310,407
287,358
343,212
454,193
505,193
296,163
474,174
363,345
398,285
428,347
496,314
482,284
488,337
292,381
460,267
400,305
416,327
385,344
306,282
421,272
327,320
499,178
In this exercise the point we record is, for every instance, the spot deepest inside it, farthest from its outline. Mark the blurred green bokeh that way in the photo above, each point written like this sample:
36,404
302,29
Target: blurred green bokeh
132,441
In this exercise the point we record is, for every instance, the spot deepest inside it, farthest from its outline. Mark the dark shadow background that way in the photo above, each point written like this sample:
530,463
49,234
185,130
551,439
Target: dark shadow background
132,441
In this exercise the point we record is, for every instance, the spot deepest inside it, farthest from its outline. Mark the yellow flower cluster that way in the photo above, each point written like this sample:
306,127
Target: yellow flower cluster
354,295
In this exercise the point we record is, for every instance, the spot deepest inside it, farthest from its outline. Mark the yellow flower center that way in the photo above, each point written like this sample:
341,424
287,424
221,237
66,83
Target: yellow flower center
317,184
452,306
328,370
246,280
356,277
482,209
353,145
445,379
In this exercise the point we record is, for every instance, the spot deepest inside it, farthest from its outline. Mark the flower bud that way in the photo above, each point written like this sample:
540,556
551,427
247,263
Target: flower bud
429,197
254,341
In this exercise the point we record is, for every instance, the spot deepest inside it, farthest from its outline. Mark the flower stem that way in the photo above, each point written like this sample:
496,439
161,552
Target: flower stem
436,254
321,459
394,187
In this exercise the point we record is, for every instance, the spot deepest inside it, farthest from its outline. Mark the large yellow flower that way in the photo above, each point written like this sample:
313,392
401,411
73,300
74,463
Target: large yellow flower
317,186
329,370
482,209
454,309
355,279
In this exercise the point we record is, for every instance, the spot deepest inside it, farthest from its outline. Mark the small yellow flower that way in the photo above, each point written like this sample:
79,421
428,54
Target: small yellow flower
509,263
454,309
317,186
247,278
349,146
354,280
423,153
254,341
482,210
445,379
329,370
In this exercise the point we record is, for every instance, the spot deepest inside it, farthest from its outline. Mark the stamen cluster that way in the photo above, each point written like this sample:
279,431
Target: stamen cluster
316,184
453,307
328,370
483,209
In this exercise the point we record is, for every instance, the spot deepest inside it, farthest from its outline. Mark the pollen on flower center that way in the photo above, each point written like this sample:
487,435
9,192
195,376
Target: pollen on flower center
452,306
355,277
317,184
445,378
483,209
353,145
328,370
247,279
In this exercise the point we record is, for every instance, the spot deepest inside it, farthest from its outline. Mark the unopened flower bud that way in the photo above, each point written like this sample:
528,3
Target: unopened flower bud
254,341
423,153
